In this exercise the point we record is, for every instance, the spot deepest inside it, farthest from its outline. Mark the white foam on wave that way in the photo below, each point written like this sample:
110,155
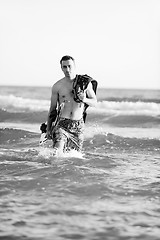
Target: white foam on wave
126,108
11,101
49,152
92,130
21,126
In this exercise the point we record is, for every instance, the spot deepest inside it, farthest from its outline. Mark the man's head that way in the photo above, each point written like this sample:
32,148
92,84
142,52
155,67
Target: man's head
68,66
66,58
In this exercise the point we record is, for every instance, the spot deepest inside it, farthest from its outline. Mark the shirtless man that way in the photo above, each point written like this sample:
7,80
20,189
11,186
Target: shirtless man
68,132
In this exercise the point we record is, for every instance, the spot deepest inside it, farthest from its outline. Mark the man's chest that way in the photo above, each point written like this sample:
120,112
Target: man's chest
66,92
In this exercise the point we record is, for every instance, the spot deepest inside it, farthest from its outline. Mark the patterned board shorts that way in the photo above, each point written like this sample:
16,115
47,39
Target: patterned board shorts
70,132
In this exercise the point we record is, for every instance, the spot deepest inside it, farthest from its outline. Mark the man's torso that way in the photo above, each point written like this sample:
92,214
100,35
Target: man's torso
69,108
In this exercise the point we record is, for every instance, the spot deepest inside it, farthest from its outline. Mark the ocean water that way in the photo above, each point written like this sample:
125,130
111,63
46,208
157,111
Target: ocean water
109,191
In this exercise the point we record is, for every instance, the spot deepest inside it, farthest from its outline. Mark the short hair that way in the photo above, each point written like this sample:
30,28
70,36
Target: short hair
66,58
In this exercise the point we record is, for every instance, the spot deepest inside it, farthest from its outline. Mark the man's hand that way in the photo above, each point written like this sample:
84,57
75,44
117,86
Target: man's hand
82,96
48,134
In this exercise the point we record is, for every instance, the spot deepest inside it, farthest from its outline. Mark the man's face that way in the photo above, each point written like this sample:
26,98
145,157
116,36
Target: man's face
68,68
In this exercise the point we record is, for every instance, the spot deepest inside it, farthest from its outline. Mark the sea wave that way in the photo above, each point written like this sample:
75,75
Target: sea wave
23,117
129,99
13,139
129,108
11,135
16,104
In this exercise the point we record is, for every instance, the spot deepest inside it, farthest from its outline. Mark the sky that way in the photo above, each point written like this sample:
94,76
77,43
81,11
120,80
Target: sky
117,42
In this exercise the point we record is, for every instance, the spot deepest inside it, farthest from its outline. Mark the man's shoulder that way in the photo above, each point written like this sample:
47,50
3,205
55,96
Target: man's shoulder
58,83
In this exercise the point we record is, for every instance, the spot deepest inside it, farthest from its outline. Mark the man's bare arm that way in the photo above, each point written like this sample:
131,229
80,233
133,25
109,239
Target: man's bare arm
91,98
52,110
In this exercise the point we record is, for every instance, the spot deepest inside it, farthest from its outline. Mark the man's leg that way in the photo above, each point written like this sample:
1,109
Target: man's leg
60,146
59,140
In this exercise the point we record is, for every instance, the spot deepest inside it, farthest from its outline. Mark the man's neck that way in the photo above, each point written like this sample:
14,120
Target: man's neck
71,78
